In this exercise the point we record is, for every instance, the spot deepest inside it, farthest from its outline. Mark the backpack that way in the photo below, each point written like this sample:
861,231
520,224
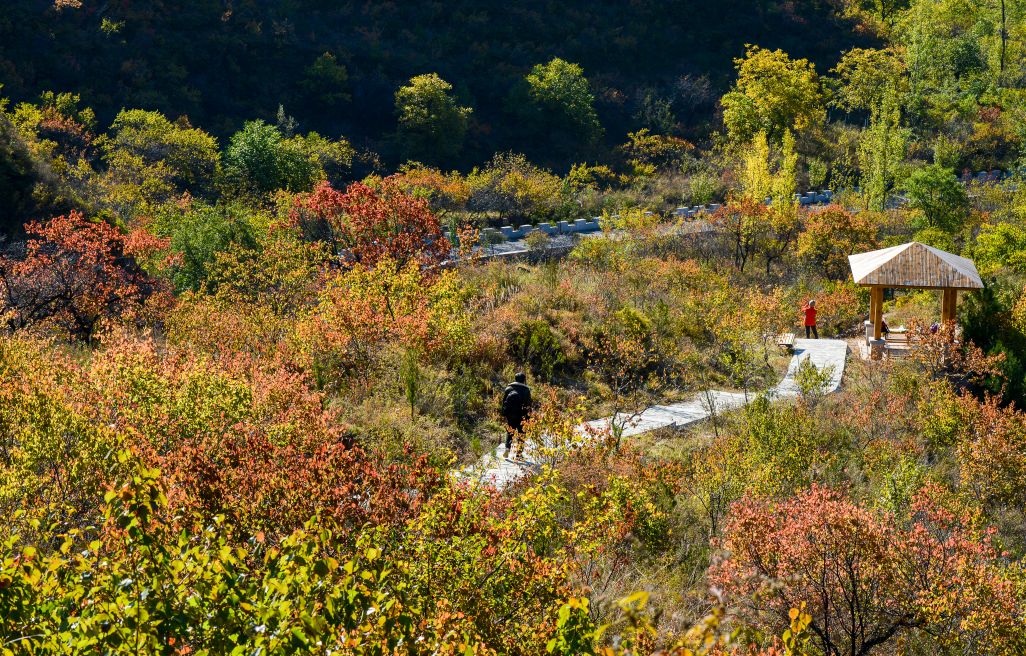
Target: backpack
512,404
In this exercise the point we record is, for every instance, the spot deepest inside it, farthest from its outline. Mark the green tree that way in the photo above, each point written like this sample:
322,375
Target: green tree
938,198
1000,245
773,93
151,160
881,151
562,99
881,12
332,160
863,77
944,46
326,81
149,139
197,234
811,380
260,158
432,125
411,379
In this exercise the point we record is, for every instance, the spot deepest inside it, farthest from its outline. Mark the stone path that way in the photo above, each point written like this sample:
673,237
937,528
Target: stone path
495,470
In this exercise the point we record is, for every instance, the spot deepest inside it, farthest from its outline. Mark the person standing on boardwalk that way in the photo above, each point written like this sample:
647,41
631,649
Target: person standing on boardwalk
516,407
809,312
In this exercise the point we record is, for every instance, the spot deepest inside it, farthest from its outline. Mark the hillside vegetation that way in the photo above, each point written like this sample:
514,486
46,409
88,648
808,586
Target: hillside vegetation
251,326
336,67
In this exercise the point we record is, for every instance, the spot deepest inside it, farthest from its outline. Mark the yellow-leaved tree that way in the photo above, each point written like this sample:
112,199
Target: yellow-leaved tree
773,93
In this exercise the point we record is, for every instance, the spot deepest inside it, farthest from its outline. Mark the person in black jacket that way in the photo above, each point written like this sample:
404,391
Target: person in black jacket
516,407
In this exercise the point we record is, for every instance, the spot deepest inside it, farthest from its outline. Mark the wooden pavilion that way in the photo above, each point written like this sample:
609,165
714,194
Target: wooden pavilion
912,266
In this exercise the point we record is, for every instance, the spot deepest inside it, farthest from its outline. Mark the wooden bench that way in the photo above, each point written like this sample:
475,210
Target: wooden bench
785,341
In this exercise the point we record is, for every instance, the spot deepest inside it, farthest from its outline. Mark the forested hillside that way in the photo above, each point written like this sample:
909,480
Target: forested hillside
335,67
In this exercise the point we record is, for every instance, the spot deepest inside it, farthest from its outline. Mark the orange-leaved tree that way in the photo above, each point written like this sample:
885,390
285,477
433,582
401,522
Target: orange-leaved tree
868,578
831,235
75,273
365,225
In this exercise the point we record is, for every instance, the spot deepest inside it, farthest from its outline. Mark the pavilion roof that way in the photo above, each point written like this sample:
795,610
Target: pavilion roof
914,265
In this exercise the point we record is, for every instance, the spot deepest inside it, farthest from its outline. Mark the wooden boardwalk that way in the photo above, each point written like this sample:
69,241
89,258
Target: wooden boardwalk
494,469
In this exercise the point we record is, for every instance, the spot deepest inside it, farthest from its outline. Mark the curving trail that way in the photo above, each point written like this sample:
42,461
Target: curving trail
495,470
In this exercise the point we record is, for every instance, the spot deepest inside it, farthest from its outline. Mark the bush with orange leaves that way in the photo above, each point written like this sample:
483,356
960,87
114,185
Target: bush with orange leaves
870,578
244,438
991,447
446,192
366,308
839,308
942,355
249,439
54,440
253,299
830,235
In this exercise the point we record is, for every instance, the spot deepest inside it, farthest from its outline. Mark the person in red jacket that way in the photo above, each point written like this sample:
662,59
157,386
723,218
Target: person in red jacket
809,310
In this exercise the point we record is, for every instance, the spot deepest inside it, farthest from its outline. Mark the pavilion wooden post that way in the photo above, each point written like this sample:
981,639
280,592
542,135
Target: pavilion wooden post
876,310
949,304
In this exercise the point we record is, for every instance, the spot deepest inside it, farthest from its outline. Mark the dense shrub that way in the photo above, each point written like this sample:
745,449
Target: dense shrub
534,344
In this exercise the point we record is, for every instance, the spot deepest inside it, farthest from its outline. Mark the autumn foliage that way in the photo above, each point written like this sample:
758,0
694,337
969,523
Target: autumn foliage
249,440
992,452
830,235
75,273
276,426
866,578
365,225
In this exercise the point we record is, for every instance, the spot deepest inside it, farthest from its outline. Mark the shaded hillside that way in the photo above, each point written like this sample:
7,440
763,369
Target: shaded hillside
221,63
